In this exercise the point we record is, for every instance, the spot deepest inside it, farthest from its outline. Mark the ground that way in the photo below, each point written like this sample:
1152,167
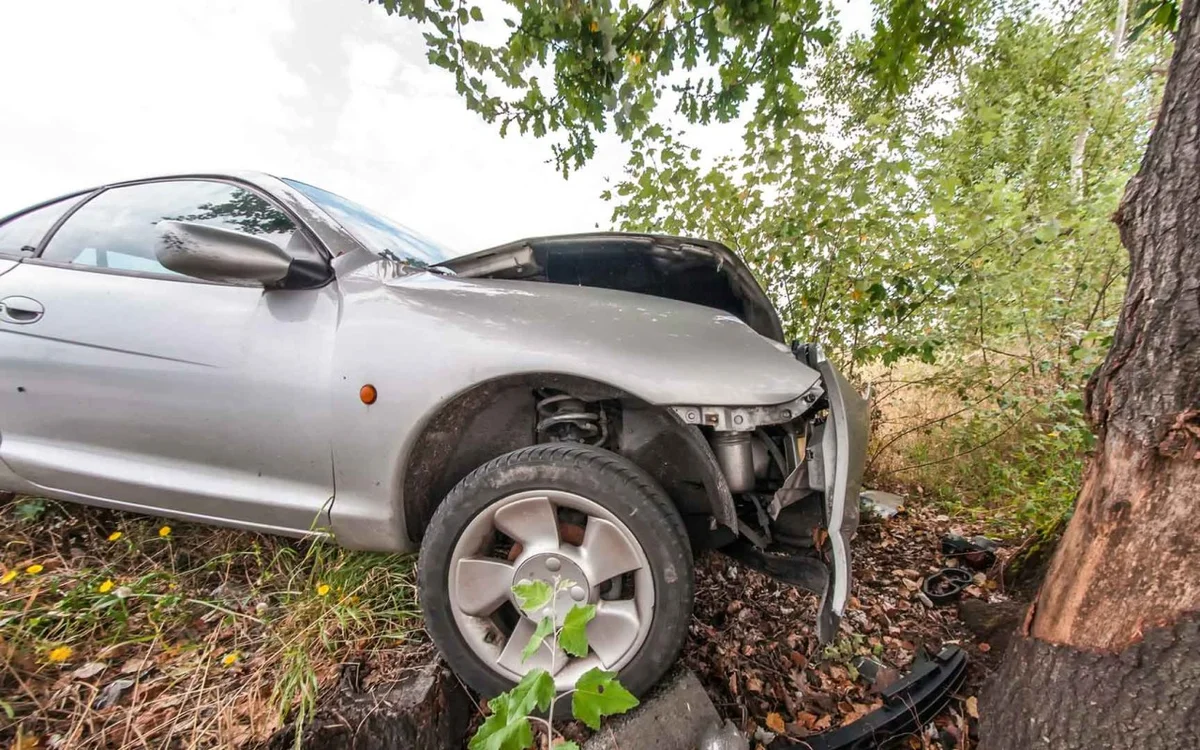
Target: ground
120,631
753,645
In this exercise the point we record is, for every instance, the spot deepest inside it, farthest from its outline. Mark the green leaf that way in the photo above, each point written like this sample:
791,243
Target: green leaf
508,726
31,509
476,14
545,627
498,733
573,636
532,596
568,745
535,689
597,694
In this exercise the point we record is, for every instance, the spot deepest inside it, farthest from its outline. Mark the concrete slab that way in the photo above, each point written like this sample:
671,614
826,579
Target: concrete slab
676,715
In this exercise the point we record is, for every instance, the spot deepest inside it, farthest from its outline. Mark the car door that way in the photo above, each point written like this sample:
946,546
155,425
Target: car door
125,384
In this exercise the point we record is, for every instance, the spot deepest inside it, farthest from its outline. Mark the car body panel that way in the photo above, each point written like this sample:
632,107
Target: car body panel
105,402
838,458
682,268
421,339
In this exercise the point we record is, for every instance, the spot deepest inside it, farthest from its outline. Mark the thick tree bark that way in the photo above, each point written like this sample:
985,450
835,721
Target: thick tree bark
1108,653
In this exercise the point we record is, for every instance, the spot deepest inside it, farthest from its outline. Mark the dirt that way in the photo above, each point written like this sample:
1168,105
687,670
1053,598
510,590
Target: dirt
753,644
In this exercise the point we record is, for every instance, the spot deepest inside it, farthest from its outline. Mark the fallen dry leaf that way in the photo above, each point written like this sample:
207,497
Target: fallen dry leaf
89,670
136,664
775,723
972,706
806,719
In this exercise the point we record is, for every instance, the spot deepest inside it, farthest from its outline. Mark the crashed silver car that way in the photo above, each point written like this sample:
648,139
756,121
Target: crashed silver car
245,350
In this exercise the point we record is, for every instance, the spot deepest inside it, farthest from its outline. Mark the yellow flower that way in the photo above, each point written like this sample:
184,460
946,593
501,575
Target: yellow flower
34,569
595,26
59,655
165,531
230,659
115,536
7,577
106,587
322,589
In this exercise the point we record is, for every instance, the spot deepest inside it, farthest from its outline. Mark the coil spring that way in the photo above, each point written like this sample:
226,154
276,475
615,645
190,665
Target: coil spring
564,418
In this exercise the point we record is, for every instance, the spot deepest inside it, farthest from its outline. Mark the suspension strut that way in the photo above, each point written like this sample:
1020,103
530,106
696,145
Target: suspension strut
564,418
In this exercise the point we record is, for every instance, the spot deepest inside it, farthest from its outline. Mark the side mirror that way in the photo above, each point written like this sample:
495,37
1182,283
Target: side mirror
215,254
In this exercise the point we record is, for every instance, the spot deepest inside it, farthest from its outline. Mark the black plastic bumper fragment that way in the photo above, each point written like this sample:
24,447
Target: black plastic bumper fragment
804,571
946,585
908,704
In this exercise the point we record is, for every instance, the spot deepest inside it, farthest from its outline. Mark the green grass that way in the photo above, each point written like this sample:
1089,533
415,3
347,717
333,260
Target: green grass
237,632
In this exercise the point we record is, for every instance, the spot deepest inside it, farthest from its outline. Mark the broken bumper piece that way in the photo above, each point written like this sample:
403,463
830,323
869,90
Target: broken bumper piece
908,704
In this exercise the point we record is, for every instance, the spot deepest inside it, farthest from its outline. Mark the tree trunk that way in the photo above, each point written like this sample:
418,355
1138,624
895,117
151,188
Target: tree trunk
1109,655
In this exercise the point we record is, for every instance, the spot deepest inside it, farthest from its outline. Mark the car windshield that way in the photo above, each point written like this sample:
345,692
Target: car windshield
378,233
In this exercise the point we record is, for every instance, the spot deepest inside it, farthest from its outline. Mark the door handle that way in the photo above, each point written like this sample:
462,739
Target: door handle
20,310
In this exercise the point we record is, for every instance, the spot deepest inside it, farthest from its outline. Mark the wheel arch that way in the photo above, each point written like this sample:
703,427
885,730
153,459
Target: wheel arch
497,416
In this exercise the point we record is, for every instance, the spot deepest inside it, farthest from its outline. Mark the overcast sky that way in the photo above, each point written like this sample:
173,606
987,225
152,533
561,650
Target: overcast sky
332,92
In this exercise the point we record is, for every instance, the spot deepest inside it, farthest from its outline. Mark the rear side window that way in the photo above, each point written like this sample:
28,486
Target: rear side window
118,228
22,234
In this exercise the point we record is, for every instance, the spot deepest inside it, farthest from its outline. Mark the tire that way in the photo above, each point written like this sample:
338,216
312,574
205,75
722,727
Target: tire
606,479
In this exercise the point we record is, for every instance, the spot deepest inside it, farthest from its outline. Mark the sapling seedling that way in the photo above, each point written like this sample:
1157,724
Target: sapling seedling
596,693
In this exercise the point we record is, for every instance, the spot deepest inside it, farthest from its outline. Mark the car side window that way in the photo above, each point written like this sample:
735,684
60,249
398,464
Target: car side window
22,234
118,228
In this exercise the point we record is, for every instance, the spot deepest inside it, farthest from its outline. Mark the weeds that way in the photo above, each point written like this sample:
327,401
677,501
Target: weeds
1008,453
120,631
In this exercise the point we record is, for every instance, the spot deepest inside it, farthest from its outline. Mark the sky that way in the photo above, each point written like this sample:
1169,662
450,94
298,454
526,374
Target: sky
332,92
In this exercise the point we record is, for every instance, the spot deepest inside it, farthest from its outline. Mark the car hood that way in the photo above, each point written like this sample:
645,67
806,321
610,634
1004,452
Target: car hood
689,270
664,351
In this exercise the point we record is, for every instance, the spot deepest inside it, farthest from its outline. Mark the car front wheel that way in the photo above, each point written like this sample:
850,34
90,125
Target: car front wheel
557,512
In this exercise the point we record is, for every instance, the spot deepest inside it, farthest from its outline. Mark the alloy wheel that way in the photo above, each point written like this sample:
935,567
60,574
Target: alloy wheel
550,535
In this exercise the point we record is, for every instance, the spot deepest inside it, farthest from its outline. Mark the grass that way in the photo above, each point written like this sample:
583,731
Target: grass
1009,456
196,636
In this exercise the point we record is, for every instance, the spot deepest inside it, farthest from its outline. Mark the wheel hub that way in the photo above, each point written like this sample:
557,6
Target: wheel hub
555,569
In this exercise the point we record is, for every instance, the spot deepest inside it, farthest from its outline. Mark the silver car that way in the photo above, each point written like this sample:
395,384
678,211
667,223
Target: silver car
245,350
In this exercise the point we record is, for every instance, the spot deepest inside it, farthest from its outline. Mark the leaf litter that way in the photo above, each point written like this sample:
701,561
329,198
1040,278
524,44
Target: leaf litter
753,644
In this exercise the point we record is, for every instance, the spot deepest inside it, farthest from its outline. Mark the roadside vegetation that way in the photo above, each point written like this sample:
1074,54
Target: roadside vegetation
119,630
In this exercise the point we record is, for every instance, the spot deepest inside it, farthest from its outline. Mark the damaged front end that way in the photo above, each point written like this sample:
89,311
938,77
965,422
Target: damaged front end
795,472
783,480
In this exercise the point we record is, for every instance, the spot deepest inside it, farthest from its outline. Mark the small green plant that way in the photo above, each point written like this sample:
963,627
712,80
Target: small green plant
30,509
596,693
